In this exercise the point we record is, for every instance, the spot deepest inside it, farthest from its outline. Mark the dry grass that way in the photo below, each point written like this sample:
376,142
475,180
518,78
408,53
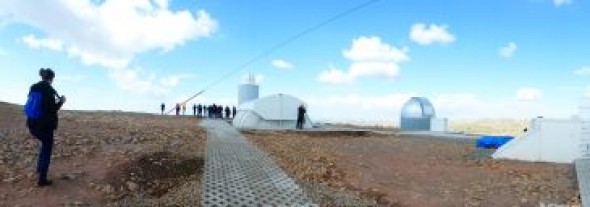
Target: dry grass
512,127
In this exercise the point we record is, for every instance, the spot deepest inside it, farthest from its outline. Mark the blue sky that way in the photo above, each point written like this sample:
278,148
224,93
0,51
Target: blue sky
473,59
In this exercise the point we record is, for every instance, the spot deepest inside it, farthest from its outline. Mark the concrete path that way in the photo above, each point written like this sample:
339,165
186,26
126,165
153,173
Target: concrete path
583,172
239,174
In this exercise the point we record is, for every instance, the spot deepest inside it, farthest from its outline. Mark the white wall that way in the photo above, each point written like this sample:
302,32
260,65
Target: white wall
547,140
439,124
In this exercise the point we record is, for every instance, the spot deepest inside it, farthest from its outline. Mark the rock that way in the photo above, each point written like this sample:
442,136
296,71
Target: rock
78,203
68,176
131,186
31,175
10,180
108,189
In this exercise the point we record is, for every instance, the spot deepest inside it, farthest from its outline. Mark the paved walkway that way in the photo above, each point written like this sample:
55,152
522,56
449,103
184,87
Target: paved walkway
239,174
582,171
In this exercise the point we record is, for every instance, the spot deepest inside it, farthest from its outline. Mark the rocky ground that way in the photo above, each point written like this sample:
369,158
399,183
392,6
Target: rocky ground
104,159
127,159
390,170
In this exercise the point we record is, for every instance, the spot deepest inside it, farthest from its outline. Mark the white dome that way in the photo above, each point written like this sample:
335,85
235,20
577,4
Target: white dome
272,112
417,114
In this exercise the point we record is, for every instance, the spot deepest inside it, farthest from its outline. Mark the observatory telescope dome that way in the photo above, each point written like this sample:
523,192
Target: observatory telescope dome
416,114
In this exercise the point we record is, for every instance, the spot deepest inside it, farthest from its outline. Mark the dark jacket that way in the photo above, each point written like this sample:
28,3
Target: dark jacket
49,107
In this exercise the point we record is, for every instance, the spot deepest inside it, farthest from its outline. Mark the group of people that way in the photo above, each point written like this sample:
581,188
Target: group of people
205,111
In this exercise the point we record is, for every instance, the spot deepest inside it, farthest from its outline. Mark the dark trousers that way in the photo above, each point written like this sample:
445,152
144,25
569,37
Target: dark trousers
46,138
300,122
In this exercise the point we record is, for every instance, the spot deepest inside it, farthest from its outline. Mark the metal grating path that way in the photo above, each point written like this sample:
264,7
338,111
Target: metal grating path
583,172
239,174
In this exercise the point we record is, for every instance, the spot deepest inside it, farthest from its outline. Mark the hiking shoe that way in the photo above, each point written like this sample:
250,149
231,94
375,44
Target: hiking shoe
42,183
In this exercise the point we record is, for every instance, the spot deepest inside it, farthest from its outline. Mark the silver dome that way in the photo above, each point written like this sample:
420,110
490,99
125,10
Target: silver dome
416,114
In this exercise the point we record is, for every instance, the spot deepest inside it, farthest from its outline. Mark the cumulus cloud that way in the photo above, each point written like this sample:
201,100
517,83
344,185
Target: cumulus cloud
559,3
370,57
173,80
334,76
108,33
281,64
142,82
529,94
430,34
34,42
583,71
508,50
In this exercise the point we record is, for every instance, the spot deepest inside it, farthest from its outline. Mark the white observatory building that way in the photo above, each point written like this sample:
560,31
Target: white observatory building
248,91
418,114
278,111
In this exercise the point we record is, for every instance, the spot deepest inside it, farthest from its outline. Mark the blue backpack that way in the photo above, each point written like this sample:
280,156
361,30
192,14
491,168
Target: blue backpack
33,106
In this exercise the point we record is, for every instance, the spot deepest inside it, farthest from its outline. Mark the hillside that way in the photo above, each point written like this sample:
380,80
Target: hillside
103,159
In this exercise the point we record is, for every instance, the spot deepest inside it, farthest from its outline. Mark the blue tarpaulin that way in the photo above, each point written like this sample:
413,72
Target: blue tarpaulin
493,142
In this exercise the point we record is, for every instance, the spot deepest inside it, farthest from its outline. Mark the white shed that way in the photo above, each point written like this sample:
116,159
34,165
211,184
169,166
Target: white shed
272,112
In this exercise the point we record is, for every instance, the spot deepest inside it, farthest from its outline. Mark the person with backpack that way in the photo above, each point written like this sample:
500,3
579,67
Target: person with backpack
41,113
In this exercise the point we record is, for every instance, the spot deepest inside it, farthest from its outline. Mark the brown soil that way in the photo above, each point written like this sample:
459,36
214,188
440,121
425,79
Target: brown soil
417,171
104,159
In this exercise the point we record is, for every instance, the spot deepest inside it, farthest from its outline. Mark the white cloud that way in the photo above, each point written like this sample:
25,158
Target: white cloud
370,58
583,71
529,94
430,34
138,81
508,50
358,109
108,33
386,108
36,43
559,3
334,76
173,80
281,64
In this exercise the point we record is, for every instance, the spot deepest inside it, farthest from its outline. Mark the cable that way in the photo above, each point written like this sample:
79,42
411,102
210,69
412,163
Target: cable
281,45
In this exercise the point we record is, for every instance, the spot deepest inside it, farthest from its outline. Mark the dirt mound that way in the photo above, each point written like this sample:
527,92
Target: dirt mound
89,146
154,174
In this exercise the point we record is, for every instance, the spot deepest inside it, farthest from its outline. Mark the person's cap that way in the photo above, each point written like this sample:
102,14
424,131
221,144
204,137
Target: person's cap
46,74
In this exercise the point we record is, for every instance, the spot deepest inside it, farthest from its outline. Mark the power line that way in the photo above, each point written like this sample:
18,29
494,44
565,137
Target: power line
282,44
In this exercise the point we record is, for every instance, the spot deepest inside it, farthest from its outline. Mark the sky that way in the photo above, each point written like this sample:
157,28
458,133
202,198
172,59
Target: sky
472,59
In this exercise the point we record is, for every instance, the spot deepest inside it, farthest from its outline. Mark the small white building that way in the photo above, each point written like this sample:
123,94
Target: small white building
272,112
546,140
552,140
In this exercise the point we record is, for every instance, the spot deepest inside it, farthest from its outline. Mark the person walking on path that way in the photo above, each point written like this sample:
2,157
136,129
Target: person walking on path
184,109
300,117
200,111
227,112
162,108
194,109
234,111
177,109
41,110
